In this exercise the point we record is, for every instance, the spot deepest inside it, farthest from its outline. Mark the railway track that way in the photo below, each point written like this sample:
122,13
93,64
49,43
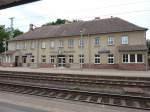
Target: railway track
78,87
81,96
82,79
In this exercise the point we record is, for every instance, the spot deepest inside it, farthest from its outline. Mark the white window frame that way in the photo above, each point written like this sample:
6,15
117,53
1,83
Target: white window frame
135,58
124,40
111,41
97,41
25,45
97,57
52,57
42,58
32,58
52,44
71,59
111,58
81,57
43,45
17,46
61,43
71,43
81,43
32,45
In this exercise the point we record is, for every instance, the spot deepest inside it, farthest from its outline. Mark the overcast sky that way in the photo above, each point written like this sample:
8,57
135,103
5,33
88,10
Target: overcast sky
38,13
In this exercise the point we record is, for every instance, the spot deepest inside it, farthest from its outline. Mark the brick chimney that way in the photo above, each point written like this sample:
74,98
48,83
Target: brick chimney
31,27
97,18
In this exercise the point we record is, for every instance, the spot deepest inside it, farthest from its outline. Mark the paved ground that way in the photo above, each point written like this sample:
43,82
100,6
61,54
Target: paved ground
5,107
57,105
106,72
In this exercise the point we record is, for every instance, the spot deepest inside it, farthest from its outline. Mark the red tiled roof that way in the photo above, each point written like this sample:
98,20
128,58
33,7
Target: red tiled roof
132,48
102,26
8,52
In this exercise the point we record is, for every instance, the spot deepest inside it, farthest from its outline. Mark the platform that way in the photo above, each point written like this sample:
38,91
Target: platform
100,72
58,105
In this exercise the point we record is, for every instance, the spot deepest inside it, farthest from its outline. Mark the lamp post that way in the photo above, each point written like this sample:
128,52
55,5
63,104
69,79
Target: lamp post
81,48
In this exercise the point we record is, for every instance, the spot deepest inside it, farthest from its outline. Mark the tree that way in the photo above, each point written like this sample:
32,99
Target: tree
5,35
148,46
61,21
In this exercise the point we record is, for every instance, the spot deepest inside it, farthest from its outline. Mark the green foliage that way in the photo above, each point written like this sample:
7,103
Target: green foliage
61,21
148,46
5,35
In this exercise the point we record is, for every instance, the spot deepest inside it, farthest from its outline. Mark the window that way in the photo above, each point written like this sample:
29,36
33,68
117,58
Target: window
32,59
24,45
43,45
110,41
124,40
71,43
32,45
110,59
139,58
61,43
52,44
81,43
97,59
52,59
81,58
17,45
43,57
132,57
97,41
125,58
71,59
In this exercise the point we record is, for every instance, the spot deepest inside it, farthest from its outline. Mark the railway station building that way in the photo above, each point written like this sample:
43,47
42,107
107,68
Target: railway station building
111,43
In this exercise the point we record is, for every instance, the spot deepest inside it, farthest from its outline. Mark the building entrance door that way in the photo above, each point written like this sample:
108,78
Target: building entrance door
61,60
16,61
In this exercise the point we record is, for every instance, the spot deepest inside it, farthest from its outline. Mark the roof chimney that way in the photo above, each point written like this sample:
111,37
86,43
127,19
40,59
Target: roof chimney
31,27
97,18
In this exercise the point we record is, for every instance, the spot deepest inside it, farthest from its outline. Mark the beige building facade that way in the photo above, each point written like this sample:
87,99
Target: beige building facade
119,49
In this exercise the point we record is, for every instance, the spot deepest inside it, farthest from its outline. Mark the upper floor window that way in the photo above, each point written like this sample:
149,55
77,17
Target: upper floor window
124,40
43,45
110,59
17,45
97,41
71,43
81,43
52,44
110,40
97,59
32,45
25,45
61,43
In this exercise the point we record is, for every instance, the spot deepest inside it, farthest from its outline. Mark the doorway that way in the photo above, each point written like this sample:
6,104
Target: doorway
16,61
61,61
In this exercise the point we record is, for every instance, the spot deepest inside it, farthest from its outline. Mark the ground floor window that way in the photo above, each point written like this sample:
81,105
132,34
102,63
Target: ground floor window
110,59
32,59
81,58
132,58
43,59
97,59
52,59
71,60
